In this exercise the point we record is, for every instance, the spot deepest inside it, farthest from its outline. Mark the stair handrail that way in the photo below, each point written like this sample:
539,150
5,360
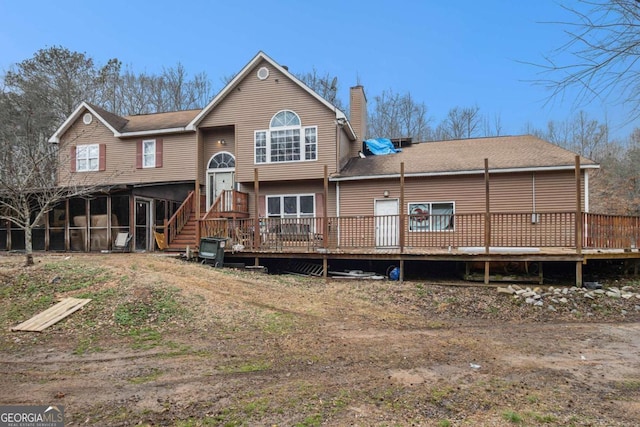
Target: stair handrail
179,218
237,199
214,206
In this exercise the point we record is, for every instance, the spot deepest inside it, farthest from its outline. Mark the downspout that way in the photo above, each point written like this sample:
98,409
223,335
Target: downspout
338,209
586,191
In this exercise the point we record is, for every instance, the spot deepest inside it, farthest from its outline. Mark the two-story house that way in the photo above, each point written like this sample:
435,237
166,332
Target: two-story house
278,170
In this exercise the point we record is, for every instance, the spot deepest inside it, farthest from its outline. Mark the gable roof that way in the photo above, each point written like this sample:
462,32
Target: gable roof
187,120
261,56
130,126
465,156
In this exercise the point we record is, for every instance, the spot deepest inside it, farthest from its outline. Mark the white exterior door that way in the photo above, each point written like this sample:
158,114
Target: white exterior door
217,182
387,222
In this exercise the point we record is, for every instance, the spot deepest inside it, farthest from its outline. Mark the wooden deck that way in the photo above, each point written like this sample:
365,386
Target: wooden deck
481,237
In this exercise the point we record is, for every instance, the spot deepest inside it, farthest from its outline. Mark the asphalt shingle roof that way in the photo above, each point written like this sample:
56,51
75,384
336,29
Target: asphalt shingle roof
505,152
147,122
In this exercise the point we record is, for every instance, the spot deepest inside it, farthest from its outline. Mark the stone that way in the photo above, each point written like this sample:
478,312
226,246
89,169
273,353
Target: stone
613,294
626,296
529,300
508,291
588,295
563,300
538,303
552,308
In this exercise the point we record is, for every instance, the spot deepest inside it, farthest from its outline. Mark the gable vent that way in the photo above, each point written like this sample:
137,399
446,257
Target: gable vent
263,73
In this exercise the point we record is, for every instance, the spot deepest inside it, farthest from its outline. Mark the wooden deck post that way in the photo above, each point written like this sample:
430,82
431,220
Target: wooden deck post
578,223
256,200
325,213
402,215
487,221
325,224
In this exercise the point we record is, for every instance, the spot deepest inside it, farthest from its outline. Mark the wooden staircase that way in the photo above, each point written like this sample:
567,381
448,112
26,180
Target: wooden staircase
181,231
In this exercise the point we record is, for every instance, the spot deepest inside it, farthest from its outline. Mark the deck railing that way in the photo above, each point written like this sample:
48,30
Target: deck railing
611,231
178,220
544,229
228,201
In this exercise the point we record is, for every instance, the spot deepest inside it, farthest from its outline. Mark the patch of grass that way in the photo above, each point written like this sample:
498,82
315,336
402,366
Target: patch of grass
160,306
86,345
438,395
145,338
101,296
246,368
533,398
153,375
543,418
512,417
74,277
444,423
310,421
628,385
257,407
278,323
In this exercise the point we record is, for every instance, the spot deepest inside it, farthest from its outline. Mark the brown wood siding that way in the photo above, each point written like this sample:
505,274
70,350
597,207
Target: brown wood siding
511,194
178,156
346,146
211,146
283,188
555,192
250,107
356,197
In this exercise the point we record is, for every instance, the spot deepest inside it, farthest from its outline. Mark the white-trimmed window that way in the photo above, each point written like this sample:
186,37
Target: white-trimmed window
149,153
87,157
283,141
431,216
291,206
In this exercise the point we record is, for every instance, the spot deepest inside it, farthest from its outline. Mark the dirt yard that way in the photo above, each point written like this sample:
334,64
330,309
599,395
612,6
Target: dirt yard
167,342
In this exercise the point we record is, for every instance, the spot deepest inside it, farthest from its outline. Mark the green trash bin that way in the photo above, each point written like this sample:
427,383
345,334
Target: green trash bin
212,250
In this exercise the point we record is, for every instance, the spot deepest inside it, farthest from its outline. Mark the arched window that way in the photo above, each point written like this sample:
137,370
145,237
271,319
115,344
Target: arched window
222,160
285,118
284,142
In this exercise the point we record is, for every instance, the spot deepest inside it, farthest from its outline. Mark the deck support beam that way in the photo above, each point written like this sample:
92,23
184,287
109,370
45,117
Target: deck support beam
487,272
579,274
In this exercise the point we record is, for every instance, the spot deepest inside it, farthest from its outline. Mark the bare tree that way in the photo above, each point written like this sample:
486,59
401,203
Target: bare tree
53,82
29,186
324,85
492,125
460,123
36,96
604,44
398,116
580,134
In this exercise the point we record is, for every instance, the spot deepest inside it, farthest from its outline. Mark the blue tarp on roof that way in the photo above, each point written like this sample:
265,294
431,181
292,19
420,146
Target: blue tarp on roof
381,146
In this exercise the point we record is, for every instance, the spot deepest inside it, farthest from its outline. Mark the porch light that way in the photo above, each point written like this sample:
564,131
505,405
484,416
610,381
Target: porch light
386,193
222,141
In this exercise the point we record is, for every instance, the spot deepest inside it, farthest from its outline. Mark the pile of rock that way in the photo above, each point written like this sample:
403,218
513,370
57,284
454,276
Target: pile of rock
565,295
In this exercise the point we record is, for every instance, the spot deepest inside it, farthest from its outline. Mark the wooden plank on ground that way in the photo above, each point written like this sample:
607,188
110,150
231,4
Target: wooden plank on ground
52,315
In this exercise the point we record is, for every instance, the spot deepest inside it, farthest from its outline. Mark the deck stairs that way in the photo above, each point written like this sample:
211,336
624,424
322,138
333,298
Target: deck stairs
229,204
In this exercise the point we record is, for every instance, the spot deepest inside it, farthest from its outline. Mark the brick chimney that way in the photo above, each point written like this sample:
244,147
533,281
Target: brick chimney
358,117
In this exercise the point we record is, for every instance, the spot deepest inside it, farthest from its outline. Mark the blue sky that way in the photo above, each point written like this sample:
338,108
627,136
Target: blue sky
445,54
